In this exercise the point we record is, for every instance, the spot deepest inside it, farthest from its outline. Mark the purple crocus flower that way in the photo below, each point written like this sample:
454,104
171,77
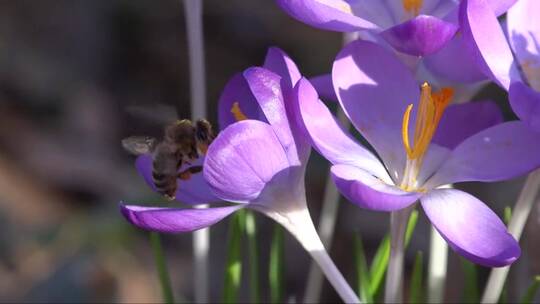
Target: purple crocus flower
518,72
414,27
196,189
381,97
242,98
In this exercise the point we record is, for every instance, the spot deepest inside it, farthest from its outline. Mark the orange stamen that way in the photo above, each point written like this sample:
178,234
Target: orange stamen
412,6
430,110
405,130
237,112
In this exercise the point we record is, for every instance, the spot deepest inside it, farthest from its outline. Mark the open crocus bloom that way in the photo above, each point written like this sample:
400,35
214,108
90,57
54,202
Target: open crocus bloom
253,162
259,94
236,103
381,98
517,72
414,27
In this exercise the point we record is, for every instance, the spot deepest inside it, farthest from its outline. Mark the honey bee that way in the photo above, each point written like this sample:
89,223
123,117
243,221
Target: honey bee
183,142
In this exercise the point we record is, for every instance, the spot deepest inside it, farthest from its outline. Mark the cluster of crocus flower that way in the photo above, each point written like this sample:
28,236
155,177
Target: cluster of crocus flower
258,161
425,28
271,115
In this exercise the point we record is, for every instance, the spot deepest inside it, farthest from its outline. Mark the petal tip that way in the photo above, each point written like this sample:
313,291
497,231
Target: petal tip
421,36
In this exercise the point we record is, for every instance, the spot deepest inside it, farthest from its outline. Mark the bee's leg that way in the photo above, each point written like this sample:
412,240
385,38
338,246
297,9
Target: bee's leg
195,169
193,154
167,188
186,174
203,148
179,163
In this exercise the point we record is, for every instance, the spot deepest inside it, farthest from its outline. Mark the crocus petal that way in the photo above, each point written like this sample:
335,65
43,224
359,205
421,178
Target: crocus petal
455,63
524,37
498,153
237,90
243,159
192,191
374,94
368,191
498,7
280,63
436,8
420,36
487,42
470,227
174,220
265,86
328,137
434,157
323,85
526,104
333,15
461,121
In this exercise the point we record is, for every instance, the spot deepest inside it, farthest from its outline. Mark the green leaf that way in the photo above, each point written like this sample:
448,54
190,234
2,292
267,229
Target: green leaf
531,291
380,261
362,271
507,214
161,266
251,233
470,293
379,265
233,266
416,293
277,266
411,225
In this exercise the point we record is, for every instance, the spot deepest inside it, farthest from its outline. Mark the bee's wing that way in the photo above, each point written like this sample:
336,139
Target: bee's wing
138,145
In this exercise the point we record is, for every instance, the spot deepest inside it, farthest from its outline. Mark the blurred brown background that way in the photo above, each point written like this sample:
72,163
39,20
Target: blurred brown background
73,77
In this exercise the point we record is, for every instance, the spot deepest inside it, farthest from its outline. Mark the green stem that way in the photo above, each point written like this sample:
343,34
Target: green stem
417,287
362,271
329,212
251,232
437,267
394,277
276,265
161,266
233,268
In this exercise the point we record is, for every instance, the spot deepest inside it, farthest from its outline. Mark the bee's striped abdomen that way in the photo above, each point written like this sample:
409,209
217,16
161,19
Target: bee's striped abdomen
164,170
